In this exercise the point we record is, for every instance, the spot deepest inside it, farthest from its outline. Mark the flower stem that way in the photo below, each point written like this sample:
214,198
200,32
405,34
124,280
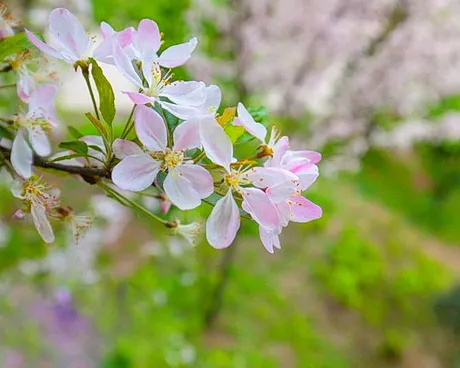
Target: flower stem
133,204
129,125
8,86
85,74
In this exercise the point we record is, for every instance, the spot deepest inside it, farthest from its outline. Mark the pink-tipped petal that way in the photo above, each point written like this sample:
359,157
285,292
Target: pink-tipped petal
165,206
107,30
303,210
139,98
216,143
223,223
39,141
135,173
41,222
279,150
43,46
263,177
186,93
41,103
177,55
148,39
69,32
22,156
150,128
124,65
252,127
200,178
307,177
187,135
181,191
25,85
260,208
123,148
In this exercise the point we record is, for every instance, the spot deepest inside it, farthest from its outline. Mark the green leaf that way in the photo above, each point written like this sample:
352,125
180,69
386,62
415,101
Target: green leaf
106,95
96,148
5,133
74,132
97,124
260,114
79,147
14,45
234,132
66,157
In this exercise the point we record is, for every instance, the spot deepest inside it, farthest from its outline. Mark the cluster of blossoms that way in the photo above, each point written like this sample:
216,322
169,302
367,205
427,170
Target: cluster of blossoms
182,146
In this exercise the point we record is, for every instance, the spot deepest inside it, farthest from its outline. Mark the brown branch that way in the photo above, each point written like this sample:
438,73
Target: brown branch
89,174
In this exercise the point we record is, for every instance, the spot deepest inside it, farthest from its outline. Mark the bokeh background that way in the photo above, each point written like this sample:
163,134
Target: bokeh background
375,87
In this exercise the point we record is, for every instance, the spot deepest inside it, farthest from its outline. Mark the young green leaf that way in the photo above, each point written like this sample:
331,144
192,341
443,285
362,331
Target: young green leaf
5,133
66,157
79,147
13,45
106,95
74,132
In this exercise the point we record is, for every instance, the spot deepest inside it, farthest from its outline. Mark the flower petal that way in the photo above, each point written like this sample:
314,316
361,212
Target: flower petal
42,46
148,39
22,156
139,98
107,30
303,210
223,223
69,32
187,135
123,148
270,239
186,93
150,128
41,103
181,112
200,178
307,176
177,55
252,127
39,141
216,143
41,222
213,99
181,191
260,208
279,150
124,65
135,173
263,177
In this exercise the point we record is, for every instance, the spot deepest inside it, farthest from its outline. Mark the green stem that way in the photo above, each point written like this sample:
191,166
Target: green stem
90,89
129,125
132,203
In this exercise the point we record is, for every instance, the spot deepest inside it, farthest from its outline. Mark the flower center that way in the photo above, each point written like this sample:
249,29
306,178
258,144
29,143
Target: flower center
233,179
172,159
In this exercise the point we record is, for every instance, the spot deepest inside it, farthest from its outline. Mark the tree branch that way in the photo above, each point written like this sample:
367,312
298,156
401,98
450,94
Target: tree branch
89,174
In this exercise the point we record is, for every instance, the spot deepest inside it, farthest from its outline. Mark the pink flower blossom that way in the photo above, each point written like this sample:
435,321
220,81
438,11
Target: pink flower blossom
33,128
71,43
185,184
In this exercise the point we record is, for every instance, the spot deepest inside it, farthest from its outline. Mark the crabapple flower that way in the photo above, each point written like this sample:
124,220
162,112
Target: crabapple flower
185,184
154,85
224,221
70,41
142,45
209,135
40,200
32,130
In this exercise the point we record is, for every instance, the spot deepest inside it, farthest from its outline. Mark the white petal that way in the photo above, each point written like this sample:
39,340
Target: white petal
263,177
124,65
177,55
43,46
181,191
216,143
39,141
261,209
270,239
22,156
252,127
148,38
223,223
135,173
150,128
200,178
69,32
123,148
213,99
187,135
186,93
181,112
41,223
308,177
